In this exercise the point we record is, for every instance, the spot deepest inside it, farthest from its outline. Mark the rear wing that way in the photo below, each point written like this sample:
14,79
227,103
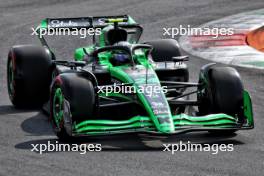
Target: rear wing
86,22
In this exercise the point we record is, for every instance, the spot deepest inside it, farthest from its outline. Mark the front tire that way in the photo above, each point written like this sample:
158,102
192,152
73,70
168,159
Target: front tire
72,101
222,93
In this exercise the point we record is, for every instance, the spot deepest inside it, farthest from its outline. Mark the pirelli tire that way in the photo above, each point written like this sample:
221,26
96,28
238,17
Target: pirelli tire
223,94
29,70
72,100
164,49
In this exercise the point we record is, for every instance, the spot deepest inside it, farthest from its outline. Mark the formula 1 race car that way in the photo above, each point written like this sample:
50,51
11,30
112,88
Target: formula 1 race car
118,85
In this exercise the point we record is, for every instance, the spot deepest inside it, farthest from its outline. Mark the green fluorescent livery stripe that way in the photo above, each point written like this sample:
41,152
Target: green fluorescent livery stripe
140,122
109,128
111,122
211,117
44,24
79,53
118,73
58,106
248,112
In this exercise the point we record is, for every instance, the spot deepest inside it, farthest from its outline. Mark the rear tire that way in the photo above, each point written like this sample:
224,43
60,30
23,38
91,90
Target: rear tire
28,75
164,49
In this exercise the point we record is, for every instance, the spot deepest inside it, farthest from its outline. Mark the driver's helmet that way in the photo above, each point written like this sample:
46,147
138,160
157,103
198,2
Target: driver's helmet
114,35
120,57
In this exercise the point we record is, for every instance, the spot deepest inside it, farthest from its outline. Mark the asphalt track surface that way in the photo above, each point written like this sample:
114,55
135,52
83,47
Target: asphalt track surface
125,154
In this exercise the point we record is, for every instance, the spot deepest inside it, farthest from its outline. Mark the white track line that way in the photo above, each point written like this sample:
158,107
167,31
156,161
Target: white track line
237,54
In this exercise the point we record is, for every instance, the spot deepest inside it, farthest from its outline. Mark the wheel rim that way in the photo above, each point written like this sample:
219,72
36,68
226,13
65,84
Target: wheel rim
57,110
10,79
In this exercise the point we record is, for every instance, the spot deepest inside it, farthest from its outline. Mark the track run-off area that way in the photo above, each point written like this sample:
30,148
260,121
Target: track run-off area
236,49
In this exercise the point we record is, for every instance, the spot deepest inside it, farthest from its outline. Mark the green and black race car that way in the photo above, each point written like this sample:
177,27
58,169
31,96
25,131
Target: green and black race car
84,95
